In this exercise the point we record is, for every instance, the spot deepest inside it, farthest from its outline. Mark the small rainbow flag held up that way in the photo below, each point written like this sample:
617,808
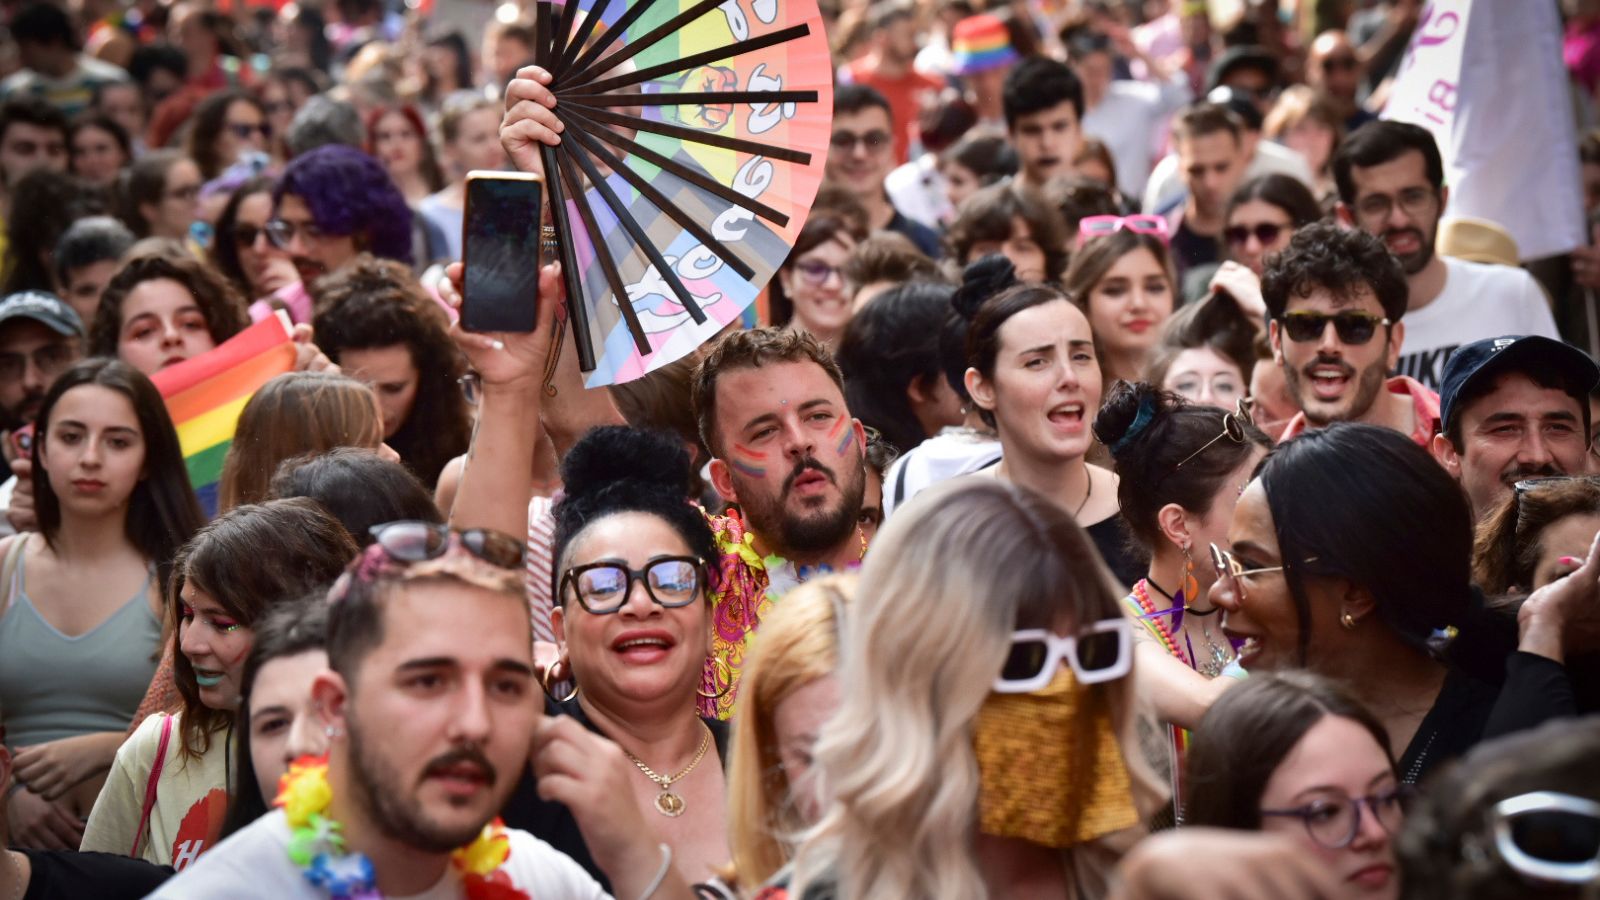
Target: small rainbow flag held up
206,394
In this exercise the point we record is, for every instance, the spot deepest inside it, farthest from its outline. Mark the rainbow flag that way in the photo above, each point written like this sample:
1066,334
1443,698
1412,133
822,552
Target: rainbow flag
206,394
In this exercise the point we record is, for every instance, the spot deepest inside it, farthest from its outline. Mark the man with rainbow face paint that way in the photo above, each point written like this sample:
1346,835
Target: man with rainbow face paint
770,405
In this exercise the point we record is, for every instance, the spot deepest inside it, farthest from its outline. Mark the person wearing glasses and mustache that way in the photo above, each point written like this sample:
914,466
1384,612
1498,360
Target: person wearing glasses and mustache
1334,300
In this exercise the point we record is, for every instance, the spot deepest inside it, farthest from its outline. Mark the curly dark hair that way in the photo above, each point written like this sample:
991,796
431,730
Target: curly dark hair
616,469
1324,256
987,216
348,192
223,308
371,303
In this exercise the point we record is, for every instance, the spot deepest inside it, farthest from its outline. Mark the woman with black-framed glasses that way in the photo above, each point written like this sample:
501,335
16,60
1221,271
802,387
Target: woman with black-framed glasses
1296,754
1350,555
634,627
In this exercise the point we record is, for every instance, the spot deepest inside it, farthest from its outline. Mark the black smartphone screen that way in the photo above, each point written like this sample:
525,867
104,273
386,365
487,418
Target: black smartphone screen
500,250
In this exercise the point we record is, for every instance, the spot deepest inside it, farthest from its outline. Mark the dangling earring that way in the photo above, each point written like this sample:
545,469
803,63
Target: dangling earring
721,679
1190,590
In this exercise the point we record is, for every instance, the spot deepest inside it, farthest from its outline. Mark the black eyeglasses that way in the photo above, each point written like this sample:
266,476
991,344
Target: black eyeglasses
602,587
1233,425
1335,820
1265,232
1414,202
50,360
1354,328
846,141
414,541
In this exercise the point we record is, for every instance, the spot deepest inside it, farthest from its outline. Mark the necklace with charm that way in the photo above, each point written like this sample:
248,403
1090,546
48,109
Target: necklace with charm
669,803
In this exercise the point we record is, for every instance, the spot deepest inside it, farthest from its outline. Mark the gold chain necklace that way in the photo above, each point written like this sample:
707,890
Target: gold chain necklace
668,803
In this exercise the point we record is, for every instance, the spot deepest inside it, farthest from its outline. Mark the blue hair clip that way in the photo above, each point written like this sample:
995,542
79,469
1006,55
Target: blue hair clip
1441,638
1141,421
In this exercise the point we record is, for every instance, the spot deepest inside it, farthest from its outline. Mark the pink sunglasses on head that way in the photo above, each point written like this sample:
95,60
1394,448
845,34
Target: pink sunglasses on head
1098,226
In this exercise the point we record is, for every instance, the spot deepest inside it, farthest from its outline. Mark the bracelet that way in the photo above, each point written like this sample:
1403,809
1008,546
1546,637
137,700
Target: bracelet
661,874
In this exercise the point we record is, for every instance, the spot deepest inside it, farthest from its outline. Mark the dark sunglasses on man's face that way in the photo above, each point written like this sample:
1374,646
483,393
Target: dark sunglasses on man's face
873,141
1265,232
1354,328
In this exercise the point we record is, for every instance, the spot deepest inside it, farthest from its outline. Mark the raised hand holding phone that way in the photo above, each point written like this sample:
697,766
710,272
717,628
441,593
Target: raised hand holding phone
500,250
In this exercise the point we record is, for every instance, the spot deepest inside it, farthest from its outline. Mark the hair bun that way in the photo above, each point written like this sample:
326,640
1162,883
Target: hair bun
981,280
1127,414
614,454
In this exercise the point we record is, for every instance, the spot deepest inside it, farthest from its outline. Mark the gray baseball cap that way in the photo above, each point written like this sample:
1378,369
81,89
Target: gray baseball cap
45,308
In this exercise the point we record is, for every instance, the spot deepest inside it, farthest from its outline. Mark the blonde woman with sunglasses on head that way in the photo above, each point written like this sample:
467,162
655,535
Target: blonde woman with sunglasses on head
941,778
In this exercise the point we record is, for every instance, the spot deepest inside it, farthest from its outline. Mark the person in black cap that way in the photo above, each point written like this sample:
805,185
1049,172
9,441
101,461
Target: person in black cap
1511,408
1248,69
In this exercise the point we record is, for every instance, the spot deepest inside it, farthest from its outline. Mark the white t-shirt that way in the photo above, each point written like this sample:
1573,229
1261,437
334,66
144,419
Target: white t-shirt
917,190
1131,119
1478,301
951,452
254,863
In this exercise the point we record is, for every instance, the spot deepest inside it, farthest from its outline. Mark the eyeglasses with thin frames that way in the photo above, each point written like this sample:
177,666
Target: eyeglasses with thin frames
1230,570
1416,202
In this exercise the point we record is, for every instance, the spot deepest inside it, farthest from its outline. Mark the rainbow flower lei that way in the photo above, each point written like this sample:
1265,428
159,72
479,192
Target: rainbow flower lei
316,845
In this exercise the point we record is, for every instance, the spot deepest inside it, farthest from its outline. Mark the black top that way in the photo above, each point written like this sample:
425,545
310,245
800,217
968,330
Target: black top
552,822
66,875
1191,249
926,239
1457,721
1110,537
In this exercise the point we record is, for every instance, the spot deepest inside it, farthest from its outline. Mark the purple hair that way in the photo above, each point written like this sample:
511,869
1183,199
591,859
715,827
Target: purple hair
349,192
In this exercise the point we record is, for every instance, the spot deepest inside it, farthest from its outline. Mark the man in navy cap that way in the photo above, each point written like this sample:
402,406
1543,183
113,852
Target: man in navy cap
1511,408
40,336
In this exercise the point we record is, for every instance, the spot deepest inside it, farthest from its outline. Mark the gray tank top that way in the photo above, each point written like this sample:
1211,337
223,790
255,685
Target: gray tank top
53,686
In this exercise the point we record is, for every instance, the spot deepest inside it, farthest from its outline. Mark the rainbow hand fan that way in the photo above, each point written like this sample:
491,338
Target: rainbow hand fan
695,137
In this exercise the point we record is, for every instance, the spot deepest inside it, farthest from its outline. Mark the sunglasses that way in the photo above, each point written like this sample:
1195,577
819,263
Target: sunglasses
1354,328
1099,226
245,235
281,233
1549,837
1103,652
1233,425
412,541
602,587
1265,232
243,131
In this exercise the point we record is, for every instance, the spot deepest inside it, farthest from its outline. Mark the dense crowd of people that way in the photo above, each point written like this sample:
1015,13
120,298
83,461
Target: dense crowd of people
1137,483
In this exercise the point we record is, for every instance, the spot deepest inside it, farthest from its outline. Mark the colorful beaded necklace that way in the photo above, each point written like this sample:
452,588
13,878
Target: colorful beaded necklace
1154,619
316,845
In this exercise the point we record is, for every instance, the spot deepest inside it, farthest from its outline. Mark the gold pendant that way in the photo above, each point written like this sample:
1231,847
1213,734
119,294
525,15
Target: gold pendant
669,804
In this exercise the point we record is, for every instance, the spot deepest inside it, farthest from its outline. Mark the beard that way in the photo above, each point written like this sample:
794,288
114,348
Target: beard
1412,263
393,806
1368,385
812,531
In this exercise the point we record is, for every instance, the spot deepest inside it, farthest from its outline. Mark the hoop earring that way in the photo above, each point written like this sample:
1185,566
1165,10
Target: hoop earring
724,681
1348,621
544,683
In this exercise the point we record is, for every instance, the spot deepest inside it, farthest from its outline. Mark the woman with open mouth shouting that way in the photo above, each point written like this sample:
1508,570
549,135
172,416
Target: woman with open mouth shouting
1035,377
80,601
633,625
167,793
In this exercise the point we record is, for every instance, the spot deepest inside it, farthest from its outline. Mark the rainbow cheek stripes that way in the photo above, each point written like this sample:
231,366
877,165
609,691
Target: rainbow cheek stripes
748,462
844,434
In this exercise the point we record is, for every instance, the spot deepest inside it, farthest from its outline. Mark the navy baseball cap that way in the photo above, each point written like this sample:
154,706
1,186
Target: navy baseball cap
1512,353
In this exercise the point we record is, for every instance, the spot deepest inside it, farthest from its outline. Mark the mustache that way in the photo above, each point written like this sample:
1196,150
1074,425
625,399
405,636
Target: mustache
800,468
1512,476
463,755
1348,370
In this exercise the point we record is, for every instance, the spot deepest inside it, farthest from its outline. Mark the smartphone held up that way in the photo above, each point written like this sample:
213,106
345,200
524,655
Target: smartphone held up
500,251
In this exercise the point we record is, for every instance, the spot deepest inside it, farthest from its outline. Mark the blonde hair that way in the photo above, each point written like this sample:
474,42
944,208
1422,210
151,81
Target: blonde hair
946,583
797,645
295,414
